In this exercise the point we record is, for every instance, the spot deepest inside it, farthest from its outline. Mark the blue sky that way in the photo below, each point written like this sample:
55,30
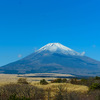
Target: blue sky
27,25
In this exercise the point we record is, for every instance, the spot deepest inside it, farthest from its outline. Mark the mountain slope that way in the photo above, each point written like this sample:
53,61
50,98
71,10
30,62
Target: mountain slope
54,57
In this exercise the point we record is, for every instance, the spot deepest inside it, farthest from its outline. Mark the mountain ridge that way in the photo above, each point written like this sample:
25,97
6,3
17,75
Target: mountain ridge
53,58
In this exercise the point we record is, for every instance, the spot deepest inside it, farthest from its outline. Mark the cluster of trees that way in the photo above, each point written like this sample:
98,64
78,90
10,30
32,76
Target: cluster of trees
21,92
93,94
93,82
43,82
64,95
59,80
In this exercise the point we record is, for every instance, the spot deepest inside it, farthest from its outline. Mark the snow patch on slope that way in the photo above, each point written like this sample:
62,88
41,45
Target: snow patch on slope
59,48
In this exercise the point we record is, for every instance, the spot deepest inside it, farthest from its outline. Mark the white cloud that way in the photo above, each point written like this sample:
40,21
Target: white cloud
19,56
83,53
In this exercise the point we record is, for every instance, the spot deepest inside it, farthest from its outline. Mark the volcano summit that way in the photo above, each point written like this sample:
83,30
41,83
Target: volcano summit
54,58
58,48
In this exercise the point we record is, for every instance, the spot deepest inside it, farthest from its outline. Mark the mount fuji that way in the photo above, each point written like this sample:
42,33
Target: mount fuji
54,58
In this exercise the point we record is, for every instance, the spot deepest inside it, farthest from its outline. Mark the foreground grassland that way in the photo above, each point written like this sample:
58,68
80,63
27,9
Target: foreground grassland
27,87
67,86
12,78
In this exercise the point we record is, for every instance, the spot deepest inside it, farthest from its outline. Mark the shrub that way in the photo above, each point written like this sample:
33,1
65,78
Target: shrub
14,97
97,78
64,80
74,96
95,86
84,81
22,81
43,82
21,92
59,80
60,93
73,81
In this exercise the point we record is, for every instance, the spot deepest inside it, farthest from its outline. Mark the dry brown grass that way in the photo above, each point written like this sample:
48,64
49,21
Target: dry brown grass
67,86
9,78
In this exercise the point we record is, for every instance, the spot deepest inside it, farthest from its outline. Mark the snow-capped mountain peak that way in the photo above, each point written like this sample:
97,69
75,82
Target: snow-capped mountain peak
59,48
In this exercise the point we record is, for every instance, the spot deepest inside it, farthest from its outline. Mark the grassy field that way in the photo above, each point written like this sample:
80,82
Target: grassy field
12,78
67,86
8,78
50,89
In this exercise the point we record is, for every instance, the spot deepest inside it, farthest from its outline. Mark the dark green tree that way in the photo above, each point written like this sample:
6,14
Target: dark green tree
43,82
